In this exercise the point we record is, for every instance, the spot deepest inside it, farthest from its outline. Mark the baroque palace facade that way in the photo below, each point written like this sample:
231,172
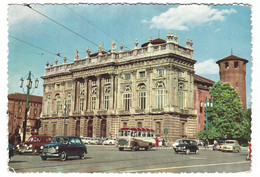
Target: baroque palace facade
151,86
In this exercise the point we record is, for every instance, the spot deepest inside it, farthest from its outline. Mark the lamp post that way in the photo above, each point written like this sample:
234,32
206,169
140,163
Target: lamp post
207,104
29,86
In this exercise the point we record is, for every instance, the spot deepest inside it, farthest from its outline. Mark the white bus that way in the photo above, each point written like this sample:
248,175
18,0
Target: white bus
136,138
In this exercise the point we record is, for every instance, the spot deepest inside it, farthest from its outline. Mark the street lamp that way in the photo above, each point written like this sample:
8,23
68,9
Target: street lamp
29,86
207,104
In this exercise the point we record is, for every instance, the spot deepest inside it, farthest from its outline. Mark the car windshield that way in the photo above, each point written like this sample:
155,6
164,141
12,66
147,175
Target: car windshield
35,139
60,140
230,142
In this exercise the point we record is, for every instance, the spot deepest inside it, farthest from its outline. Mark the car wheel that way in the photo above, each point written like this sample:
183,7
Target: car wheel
110,143
63,156
187,151
135,147
44,158
82,156
197,151
121,149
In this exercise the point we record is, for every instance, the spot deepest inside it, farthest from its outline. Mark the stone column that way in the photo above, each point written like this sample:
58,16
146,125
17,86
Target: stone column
98,92
101,90
134,99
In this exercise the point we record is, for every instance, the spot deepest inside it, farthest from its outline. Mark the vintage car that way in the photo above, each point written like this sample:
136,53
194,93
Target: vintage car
33,144
85,140
231,146
218,144
62,147
187,146
110,141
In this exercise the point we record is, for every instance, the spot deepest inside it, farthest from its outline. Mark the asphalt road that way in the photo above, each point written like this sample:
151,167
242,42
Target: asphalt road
108,159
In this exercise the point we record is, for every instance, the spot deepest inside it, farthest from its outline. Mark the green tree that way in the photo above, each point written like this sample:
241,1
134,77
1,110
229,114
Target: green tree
226,118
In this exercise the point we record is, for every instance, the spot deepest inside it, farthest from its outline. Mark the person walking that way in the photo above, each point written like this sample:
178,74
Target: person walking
156,142
250,150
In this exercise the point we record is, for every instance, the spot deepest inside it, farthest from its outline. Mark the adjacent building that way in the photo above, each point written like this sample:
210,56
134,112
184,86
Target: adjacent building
232,69
151,86
16,113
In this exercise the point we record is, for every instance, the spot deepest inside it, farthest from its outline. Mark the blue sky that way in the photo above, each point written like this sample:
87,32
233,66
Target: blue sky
214,30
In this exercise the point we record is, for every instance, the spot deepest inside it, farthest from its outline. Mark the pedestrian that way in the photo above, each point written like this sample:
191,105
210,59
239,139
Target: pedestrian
163,142
156,142
250,150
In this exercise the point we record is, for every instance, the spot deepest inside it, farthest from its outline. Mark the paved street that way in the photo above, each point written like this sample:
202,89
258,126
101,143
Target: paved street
107,159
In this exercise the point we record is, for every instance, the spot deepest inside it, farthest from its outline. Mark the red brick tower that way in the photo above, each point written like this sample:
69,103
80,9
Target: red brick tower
232,69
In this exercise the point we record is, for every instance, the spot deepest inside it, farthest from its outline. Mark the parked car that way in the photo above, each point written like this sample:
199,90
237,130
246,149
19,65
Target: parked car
33,144
110,141
11,149
231,145
64,146
93,141
218,144
85,140
187,146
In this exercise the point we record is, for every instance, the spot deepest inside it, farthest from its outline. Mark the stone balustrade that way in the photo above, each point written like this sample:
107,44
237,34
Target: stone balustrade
122,56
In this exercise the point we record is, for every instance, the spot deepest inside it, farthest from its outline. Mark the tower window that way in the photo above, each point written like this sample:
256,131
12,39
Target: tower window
226,65
235,64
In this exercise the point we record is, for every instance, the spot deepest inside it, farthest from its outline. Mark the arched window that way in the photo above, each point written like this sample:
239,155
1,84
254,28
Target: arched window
160,95
107,96
142,96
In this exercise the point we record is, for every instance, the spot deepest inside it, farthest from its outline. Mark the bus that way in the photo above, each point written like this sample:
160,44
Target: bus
136,138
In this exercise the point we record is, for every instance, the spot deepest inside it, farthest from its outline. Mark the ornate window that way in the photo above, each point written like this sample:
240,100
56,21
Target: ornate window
107,96
142,96
82,88
107,81
142,74
68,103
181,74
127,98
81,104
127,76
48,107
58,104
160,95
69,84
93,102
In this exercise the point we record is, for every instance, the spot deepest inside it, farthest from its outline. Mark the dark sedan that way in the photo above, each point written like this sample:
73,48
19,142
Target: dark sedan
187,146
62,147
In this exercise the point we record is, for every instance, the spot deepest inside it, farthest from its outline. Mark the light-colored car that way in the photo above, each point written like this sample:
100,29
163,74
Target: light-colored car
177,142
93,141
85,140
110,141
231,145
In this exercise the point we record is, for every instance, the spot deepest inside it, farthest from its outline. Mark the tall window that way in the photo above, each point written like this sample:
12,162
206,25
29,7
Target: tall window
127,76
181,74
69,84
58,104
226,65
48,107
142,96
106,100
68,103
106,97
127,98
81,104
82,88
181,96
236,64
93,102
160,94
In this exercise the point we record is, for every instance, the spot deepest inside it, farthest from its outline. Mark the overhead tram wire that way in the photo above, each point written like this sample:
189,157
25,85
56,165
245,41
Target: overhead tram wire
91,23
28,5
57,54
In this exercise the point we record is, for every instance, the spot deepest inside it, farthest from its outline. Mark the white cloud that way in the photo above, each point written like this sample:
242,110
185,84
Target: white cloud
185,17
21,13
207,67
